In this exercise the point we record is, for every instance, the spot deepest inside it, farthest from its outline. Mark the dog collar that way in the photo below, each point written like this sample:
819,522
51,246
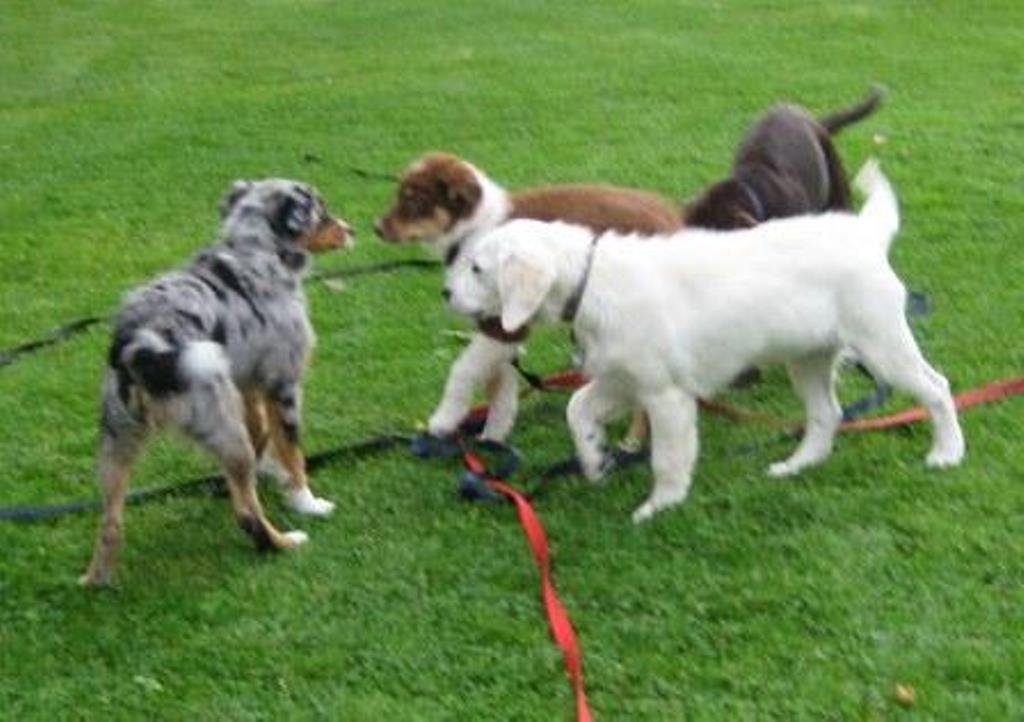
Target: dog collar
572,306
754,199
491,327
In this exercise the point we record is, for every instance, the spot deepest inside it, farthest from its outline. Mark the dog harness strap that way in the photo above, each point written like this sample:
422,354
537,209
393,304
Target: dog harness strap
558,619
755,200
534,380
572,306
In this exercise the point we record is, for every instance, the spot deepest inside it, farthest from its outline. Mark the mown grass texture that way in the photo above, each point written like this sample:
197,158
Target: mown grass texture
122,123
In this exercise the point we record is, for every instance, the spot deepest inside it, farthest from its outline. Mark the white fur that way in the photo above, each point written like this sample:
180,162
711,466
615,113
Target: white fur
295,538
664,322
492,210
485,361
204,359
303,501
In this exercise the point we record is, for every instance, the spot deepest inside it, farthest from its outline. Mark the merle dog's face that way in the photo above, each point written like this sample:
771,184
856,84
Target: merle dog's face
295,212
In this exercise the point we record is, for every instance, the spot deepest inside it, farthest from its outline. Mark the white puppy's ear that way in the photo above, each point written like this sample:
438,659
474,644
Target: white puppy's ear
526,273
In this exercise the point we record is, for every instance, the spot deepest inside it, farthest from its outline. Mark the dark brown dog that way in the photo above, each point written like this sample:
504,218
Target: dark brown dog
786,166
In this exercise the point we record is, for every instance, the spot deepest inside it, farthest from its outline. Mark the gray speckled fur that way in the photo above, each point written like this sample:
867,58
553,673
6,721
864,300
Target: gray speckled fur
217,349
244,293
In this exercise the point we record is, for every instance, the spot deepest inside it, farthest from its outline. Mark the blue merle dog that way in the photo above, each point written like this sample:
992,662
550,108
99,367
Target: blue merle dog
218,350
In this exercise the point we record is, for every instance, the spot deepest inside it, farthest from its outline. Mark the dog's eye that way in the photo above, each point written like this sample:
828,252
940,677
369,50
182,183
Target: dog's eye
475,268
417,205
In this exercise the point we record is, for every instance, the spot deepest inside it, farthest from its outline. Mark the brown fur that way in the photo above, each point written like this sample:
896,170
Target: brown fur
602,208
439,190
434,194
329,236
787,165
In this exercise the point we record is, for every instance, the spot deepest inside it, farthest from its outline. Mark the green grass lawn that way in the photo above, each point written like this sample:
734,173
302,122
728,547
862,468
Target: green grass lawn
123,122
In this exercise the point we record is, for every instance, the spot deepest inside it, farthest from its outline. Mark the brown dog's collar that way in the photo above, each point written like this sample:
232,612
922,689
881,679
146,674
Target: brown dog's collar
491,327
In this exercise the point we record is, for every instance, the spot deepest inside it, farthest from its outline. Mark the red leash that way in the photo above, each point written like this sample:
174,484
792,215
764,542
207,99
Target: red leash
558,619
982,395
995,391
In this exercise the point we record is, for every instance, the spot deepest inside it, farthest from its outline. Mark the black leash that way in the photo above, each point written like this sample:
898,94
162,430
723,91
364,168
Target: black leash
375,268
212,485
209,485
78,326
313,159
505,459
63,333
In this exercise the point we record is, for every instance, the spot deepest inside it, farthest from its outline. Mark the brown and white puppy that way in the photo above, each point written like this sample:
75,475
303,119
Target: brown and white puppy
448,204
786,166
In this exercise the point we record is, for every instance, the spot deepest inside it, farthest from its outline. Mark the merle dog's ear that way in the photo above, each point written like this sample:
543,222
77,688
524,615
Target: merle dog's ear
238,189
294,215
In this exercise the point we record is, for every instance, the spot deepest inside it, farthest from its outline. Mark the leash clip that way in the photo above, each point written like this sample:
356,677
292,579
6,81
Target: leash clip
473,487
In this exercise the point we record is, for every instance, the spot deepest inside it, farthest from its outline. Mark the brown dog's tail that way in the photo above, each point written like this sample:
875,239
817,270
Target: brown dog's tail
835,122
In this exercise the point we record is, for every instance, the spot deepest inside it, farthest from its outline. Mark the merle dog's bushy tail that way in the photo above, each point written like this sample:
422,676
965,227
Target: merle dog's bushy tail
835,122
163,368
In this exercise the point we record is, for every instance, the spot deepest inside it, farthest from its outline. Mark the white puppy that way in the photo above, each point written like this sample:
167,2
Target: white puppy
662,324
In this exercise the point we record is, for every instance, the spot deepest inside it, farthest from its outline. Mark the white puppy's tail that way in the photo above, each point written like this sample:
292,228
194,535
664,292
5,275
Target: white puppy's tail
880,209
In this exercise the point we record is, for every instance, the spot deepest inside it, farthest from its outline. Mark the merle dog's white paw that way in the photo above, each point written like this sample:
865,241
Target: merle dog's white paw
295,538
304,502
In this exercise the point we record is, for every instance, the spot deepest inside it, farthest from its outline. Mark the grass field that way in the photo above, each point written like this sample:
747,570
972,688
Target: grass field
122,123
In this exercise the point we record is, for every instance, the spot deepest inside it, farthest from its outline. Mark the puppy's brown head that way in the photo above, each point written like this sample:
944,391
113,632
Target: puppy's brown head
723,206
435,193
297,215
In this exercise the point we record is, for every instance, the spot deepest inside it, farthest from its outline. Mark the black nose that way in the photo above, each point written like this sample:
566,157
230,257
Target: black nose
446,294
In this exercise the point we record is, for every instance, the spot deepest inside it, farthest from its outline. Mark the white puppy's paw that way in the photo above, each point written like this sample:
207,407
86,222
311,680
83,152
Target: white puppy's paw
295,538
656,503
595,466
945,458
499,435
304,502
442,425
644,512
782,469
